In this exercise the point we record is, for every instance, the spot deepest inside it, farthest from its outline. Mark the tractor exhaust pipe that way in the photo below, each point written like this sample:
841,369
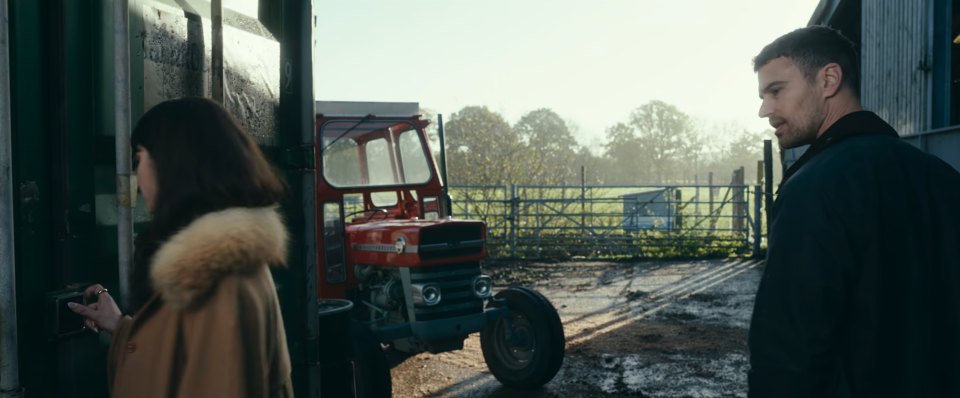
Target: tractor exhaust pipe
447,202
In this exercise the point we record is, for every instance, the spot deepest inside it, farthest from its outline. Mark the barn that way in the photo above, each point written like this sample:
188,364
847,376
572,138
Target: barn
909,63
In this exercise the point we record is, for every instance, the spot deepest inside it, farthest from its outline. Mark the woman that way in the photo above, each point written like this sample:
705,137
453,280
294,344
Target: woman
205,315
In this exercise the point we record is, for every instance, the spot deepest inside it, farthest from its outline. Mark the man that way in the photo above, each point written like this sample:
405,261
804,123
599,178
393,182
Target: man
860,296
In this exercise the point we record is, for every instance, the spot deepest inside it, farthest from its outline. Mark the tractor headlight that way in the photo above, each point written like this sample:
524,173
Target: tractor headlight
483,286
426,294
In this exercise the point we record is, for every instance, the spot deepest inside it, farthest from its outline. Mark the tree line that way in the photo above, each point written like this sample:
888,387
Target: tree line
656,144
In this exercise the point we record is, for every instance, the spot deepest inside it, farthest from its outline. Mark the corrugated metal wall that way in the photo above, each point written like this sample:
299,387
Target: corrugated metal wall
894,62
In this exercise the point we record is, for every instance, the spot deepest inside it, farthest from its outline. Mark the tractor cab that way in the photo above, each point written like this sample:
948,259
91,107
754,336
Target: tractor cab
381,162
381,195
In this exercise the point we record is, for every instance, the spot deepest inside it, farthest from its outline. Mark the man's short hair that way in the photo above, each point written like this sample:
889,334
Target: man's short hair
812,48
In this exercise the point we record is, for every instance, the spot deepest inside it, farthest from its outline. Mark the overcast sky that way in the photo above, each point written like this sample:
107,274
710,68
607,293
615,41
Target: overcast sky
592,62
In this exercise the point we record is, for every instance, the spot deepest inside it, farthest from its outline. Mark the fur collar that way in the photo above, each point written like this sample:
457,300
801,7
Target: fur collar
215,245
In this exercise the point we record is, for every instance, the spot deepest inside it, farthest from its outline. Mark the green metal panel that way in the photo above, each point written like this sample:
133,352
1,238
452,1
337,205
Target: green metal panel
81,361
57,113
80,129
31,176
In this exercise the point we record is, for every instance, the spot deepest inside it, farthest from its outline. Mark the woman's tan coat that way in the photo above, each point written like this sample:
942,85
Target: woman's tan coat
213,328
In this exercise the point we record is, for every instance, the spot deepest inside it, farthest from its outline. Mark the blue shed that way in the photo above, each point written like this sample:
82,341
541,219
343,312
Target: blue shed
647,210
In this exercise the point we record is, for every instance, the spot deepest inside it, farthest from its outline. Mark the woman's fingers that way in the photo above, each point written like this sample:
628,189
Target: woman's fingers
92,315
87,312
78,308
102,314
90,324
92,290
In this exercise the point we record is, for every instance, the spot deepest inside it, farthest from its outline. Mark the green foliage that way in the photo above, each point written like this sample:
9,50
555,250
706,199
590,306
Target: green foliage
482,148
656,144
552,150
745,150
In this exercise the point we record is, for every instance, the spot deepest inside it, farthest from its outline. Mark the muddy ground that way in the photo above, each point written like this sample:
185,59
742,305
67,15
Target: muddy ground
633,329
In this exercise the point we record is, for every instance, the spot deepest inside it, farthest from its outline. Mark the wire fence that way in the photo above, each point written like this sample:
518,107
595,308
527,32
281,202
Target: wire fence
543,222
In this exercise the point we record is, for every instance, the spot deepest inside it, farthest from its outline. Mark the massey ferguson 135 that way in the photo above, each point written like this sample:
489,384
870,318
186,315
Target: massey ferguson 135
387,243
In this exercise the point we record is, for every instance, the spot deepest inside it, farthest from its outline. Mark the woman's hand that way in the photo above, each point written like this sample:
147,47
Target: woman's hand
104,315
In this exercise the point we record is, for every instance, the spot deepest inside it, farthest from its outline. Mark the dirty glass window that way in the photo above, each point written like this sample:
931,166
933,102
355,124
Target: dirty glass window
380,166
333,243
416,169
383,199
363,153
341,162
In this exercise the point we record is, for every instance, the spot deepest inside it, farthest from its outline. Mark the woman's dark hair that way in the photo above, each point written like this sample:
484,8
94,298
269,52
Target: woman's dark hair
204,162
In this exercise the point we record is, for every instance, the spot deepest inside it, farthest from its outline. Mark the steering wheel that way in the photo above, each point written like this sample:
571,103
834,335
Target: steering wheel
374,211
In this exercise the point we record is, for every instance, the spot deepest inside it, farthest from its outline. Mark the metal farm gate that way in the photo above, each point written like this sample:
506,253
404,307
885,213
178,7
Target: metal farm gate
536,222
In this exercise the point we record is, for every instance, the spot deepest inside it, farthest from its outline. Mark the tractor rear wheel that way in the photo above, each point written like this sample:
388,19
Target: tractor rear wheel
524,349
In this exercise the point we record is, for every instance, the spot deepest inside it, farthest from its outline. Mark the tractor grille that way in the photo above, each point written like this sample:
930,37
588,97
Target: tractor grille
456,290
447,241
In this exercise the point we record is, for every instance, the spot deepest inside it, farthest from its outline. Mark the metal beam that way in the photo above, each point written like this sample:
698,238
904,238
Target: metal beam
824,13
123,153
9,357
298,293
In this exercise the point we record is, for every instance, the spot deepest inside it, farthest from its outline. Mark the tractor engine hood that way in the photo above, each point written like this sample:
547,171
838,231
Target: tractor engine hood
405,243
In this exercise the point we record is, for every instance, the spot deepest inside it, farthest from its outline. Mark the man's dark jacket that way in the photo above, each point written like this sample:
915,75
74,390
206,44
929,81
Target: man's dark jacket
860,296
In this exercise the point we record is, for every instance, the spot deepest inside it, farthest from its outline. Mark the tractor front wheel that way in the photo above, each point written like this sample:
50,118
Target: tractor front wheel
524,349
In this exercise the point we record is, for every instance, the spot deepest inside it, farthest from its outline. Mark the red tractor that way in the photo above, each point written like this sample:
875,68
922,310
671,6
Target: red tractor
386,242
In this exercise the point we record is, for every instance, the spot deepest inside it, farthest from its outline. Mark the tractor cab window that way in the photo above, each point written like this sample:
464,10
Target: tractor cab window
380,167
357,153
415,165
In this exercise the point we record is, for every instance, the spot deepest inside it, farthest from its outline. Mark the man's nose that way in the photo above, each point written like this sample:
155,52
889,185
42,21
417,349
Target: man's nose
765,109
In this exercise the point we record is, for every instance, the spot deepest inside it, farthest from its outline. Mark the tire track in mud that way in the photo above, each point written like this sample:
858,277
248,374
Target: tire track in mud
647,303
648,329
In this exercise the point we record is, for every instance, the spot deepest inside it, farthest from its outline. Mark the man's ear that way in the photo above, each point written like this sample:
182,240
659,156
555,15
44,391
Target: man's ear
832,76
